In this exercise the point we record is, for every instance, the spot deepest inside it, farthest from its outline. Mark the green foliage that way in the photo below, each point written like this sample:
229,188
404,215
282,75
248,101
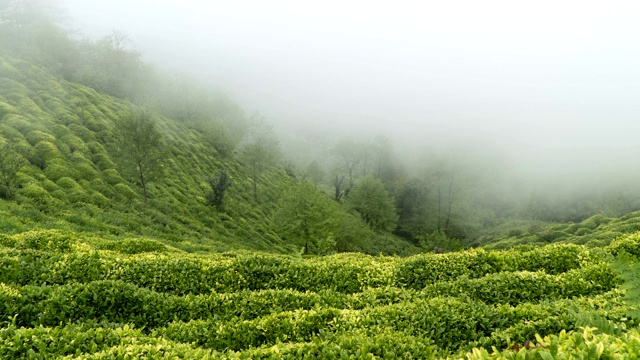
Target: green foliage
304,213
326,246
139,148
438,242
10,163
219,185
354,235
84,273
136,246
371,200
284,307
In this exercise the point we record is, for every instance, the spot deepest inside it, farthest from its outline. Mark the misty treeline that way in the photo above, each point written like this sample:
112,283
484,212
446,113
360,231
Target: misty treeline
436,198
451,197
36,30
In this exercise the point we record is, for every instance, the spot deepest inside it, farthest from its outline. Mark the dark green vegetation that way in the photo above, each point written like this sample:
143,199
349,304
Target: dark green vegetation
63,294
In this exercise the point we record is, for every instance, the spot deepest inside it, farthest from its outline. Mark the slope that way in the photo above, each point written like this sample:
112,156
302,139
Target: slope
72,180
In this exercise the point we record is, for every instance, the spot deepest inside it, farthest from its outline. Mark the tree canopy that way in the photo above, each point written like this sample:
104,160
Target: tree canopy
372,201
304,213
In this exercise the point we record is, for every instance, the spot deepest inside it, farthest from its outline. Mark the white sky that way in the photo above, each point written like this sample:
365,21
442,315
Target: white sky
527,73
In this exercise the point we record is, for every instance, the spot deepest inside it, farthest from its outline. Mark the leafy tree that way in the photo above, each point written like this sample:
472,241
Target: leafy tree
354,235
219,185
261,150
10,163
370,198
306,214
139,148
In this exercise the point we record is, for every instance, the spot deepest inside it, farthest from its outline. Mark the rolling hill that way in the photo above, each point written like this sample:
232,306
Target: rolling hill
72,179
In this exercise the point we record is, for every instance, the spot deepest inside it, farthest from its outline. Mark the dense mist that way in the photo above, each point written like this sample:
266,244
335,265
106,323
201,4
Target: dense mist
551,83
469,114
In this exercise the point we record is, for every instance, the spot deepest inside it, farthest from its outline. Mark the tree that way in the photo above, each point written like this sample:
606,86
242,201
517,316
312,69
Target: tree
10,163
371,200
306,214
139,148
219,185
261,150
111,66
412,202
349,155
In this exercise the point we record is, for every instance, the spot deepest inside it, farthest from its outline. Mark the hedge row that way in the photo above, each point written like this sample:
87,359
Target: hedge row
447,323
582,344
523,286
419,271
383,344
420,325
72,339
343,273
117,301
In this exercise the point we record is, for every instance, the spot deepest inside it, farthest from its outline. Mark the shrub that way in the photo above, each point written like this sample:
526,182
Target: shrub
583,231
67,183
51,240
112,176
85,171
57,169
46,152
136,246
124,192
37,194
550,236
515,232
36,136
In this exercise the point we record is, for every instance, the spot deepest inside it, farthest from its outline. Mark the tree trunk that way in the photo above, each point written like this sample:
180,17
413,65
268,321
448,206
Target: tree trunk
144,188
337,183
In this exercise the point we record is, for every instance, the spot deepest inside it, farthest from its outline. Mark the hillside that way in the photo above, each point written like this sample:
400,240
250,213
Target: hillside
596,231
72,179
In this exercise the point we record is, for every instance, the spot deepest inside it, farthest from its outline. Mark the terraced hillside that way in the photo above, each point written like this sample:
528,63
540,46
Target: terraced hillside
72,178
596,231
86,298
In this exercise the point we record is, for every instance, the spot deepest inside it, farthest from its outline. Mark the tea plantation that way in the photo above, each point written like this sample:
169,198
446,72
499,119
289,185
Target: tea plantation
72,296
90,271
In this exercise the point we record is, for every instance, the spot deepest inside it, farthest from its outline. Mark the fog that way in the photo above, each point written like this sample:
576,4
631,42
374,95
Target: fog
552,86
